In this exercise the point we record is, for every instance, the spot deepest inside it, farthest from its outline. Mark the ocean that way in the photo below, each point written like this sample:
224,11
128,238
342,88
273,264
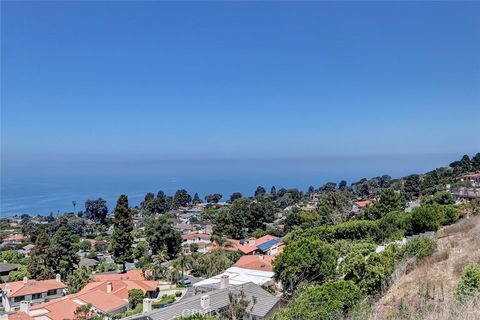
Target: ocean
44,187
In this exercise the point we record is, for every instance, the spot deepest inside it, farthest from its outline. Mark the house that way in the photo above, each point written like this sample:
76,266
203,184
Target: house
216,302
105,296
271,247
202,240
14,315
247,246
13,293
473,178
89,263
238,276
27,249
255,262
359,205
5,269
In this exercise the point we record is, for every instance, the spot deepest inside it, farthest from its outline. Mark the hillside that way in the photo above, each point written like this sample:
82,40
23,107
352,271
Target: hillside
434,280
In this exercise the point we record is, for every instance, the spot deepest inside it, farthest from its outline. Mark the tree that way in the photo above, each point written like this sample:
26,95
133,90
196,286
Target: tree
135,297
213,198
469,284
40,266
181,199
78,280
328,187
305,259
84,312
74,203
260,192
273,192
63,253
342,185
19,274
330,301
159,205
442,198
162,237
235,196
85,245
476,162
148,198
196,199
184,263
96,210
411,186
389,201
239,307
122,238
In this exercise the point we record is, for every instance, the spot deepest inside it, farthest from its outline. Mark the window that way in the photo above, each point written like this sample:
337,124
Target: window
52,292
36,296
18,299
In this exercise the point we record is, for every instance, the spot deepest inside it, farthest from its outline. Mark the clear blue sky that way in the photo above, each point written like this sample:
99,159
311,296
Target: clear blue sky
231,79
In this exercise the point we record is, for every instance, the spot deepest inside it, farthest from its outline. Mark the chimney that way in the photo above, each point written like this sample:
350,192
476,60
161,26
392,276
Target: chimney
224,281
25,279
147,305
58,278
205,302
7,288
261,257
109,287
25,306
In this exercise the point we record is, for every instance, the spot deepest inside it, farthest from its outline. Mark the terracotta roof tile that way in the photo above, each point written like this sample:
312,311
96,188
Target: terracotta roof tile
19,288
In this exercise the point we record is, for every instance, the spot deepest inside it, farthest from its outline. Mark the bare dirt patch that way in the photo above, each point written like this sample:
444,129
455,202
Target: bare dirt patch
435,279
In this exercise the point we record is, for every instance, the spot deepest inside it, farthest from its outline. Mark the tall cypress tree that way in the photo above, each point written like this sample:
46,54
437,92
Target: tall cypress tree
122,238
40,266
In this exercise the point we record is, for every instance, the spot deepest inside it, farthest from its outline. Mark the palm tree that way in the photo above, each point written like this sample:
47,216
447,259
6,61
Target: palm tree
185,262
160,257
74,203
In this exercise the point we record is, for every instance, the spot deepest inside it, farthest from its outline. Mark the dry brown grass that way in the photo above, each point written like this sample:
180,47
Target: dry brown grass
434,280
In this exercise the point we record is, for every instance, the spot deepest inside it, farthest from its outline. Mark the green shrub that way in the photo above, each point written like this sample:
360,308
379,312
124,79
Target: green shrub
425,218
420,247
469,284
332,300
135,297
178,293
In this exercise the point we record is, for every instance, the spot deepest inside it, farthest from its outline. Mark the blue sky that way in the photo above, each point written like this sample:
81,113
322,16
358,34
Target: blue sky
238,79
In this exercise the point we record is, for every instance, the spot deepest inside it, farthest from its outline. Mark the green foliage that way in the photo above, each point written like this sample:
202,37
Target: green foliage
332,300
213,198
389,201
140,250
85,245
431,217
19,274
411,186
78,280
162,237
122,238
196,316
62,253
442,198
181,199
469,284
11,256
96,210
135,297
41,264
213,263
305,259
420,247
159,205
196,199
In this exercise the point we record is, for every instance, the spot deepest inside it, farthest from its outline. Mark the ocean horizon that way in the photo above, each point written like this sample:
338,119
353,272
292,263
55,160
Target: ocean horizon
48,187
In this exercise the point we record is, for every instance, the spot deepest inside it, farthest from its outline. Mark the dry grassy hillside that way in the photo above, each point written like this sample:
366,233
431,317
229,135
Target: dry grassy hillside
434,280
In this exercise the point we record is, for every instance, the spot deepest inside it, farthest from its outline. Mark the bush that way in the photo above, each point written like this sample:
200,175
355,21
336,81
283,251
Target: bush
305,259
332,300
420,247
425,218
178,293
469,284
85,245
135,297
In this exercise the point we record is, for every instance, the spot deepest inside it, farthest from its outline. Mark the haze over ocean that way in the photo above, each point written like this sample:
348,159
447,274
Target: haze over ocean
103,98
52,188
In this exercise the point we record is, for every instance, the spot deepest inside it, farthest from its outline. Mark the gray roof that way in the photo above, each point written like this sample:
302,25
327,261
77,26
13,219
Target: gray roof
7,267
218,301
87,262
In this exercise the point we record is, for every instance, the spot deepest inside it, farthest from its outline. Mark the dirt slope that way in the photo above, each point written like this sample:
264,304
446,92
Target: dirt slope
435,279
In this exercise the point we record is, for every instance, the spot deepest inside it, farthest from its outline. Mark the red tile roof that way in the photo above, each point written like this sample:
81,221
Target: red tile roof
204,236
19,288
19,315
363,203
472,176
255,262
129,275
245,248
16,237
